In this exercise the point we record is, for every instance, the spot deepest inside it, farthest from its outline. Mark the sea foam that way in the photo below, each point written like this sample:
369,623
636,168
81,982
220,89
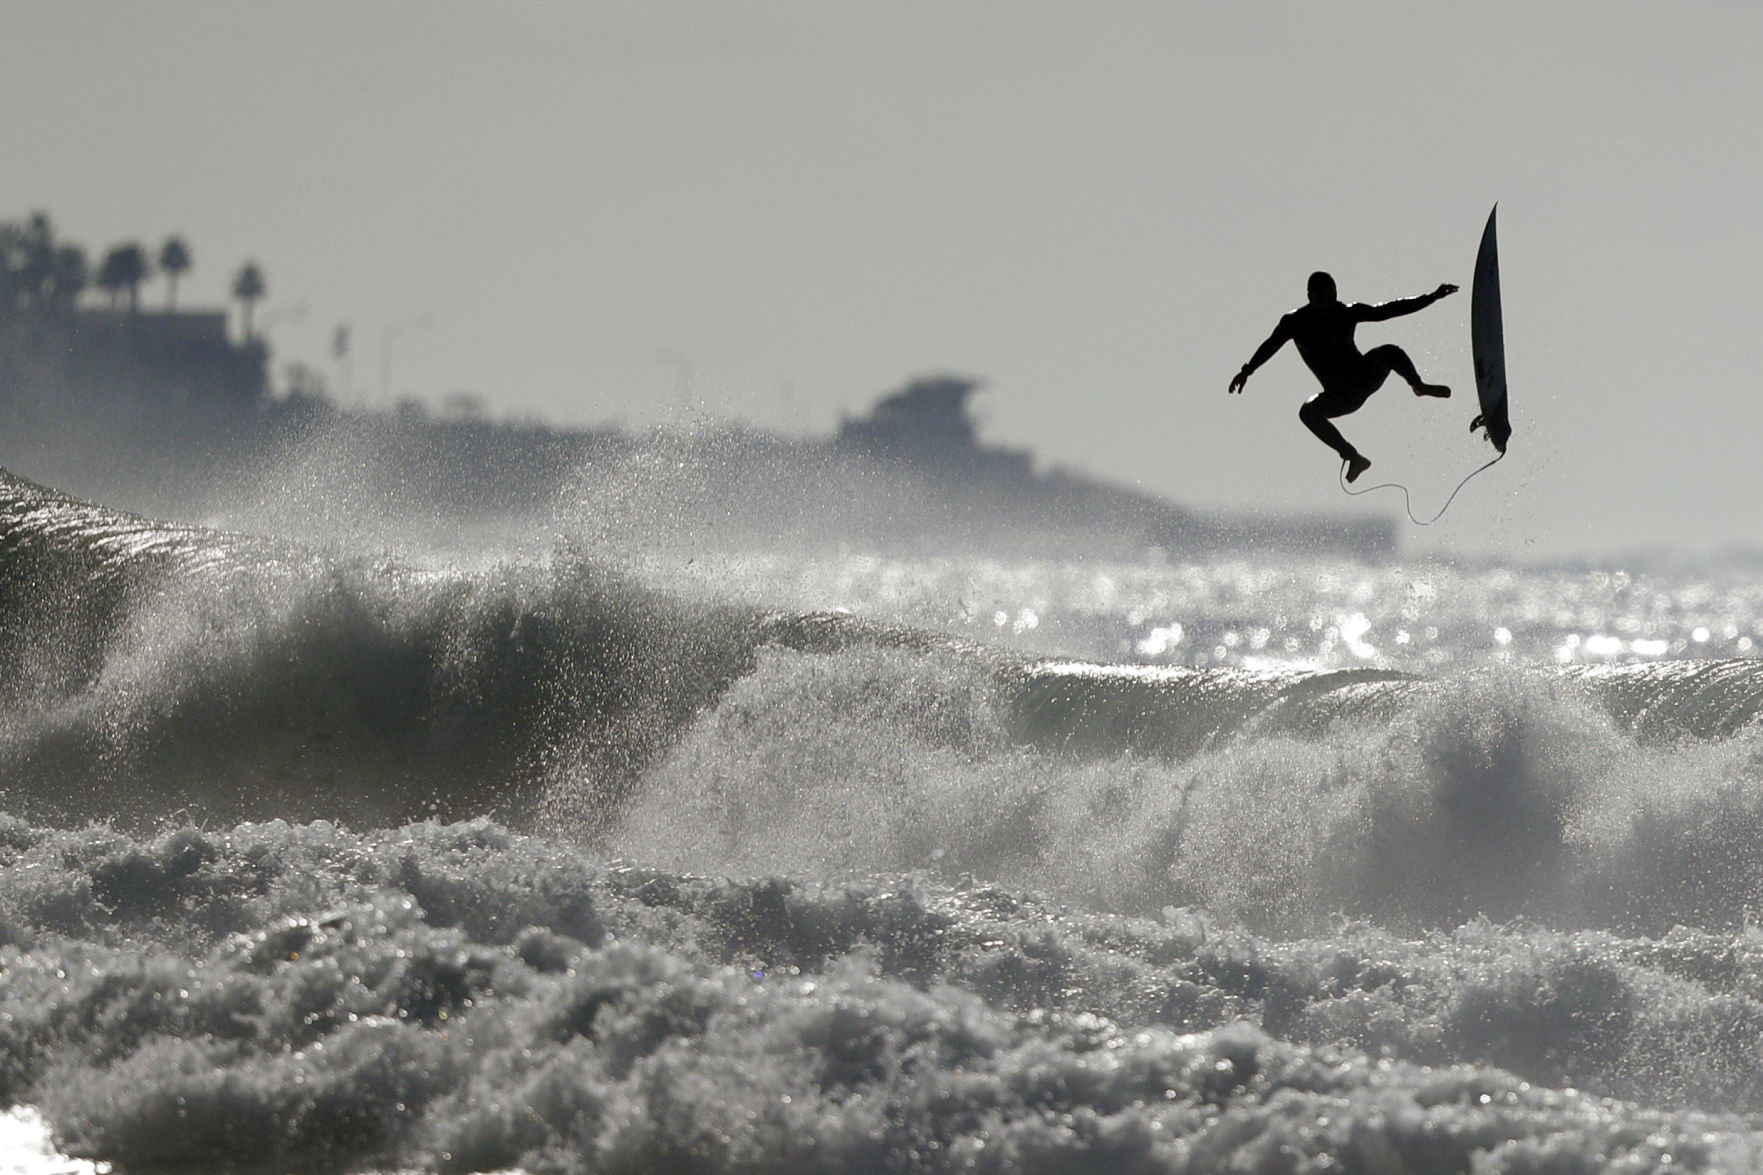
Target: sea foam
462,998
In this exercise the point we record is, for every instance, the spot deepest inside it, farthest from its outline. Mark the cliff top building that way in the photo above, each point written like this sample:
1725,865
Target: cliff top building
85,357
927,423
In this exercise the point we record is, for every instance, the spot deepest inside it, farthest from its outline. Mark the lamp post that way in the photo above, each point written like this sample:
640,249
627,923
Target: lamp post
387,337
343,353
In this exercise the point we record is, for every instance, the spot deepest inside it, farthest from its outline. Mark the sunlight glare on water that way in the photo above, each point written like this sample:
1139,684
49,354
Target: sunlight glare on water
1248,614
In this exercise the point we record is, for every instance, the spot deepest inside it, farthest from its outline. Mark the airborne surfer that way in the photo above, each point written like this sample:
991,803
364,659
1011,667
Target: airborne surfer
1323,332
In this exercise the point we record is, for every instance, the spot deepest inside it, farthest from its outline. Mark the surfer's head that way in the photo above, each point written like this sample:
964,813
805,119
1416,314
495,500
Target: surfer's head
1322,289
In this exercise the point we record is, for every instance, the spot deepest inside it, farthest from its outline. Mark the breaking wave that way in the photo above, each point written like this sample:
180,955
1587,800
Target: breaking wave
161,669
312,860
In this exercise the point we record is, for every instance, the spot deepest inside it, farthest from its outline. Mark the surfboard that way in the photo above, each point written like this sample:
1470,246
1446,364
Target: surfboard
1487,340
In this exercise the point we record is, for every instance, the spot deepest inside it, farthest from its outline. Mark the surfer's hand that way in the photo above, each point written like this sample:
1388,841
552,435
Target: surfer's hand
1444,289
1242,377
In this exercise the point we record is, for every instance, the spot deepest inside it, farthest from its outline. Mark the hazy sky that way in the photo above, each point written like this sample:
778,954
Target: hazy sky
1101,208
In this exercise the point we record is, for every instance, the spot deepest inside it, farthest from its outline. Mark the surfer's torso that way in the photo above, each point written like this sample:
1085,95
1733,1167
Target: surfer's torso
1323,334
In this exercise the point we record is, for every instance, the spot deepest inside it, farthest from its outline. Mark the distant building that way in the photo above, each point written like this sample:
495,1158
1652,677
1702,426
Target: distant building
194,326
1002,502
927,423
143,358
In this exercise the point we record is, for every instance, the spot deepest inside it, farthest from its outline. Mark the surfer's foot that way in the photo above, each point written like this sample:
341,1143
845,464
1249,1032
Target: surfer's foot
1439,390
1357,464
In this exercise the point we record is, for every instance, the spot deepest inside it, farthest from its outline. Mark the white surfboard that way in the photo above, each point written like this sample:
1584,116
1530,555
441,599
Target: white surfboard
1487,340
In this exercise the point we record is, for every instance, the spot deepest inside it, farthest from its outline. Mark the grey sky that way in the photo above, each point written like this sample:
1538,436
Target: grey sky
1101,208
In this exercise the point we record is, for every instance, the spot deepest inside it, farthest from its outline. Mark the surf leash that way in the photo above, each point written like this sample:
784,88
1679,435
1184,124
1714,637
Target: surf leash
1407,502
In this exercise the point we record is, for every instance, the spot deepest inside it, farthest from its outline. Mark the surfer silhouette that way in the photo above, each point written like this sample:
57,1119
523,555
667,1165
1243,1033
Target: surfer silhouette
1323,333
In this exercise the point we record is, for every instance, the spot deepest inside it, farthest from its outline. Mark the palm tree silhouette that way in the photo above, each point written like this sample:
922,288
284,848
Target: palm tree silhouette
68,276
37,257
38,272
125,267
248,287
174,262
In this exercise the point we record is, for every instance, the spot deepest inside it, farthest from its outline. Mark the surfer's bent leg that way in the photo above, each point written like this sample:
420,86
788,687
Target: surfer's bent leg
1389,357
1318,413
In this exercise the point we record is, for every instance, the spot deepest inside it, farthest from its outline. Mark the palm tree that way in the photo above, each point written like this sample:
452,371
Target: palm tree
248,287
174,262
27,263
125,267
68,276
37,254
12,285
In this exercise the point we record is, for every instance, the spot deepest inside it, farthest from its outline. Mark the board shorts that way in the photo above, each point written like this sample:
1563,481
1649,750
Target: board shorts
1347,391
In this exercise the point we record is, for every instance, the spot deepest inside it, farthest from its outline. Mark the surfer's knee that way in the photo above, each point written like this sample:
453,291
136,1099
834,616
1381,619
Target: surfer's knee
1386,358
1323,407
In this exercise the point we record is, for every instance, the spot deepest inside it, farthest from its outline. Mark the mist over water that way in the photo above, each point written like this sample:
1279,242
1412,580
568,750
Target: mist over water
727,812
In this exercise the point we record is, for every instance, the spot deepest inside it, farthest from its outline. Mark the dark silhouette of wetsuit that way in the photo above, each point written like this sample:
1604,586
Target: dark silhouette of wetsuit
1323,333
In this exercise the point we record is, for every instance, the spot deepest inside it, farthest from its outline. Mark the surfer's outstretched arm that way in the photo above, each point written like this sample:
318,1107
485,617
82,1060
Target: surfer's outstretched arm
1263,353
1401,306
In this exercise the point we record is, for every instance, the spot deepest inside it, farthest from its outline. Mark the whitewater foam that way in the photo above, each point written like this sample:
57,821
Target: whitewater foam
779,887
460,998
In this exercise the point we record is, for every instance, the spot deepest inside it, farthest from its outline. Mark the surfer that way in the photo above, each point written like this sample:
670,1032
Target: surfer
1323,332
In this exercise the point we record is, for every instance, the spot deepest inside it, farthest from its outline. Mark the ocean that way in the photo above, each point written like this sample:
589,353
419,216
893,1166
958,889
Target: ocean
624,839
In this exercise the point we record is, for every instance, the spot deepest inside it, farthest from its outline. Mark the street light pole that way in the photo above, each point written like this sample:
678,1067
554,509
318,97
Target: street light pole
343,352
387,337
